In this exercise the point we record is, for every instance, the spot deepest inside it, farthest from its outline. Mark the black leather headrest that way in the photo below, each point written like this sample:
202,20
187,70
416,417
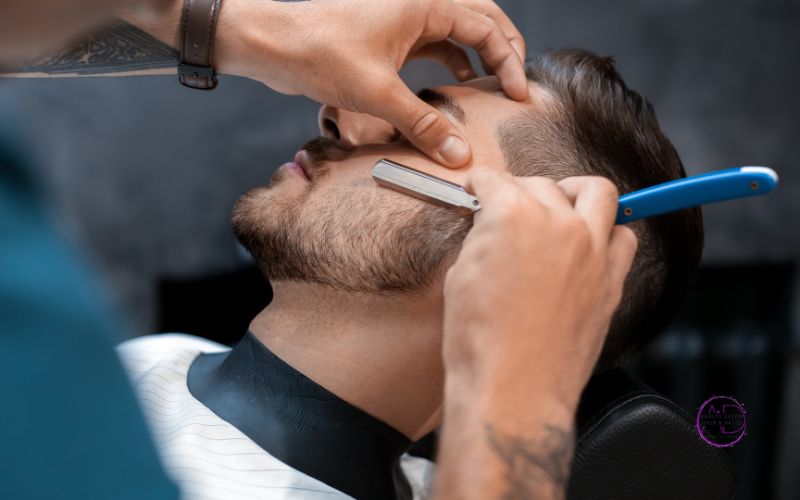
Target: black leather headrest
633,443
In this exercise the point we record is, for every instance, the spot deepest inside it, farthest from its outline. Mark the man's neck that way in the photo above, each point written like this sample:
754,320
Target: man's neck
381,354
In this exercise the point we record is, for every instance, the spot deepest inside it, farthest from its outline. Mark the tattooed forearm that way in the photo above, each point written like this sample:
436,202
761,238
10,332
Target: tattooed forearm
119,48
534,467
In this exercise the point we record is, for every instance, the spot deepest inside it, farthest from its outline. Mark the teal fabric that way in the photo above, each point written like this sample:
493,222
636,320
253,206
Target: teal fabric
70,427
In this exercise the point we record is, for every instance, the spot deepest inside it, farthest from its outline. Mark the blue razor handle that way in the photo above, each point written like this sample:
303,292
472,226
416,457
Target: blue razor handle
696,190
656,200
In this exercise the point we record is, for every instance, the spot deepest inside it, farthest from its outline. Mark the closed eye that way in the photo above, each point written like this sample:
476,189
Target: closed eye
398,137
437,99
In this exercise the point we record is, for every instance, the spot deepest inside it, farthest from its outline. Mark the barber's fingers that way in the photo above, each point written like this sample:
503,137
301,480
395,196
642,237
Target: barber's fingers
450,55
481,32
621,252
491,9
596,200
546,192
492,186
422,124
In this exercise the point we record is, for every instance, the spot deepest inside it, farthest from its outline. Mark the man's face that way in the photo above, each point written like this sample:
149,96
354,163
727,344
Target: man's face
323,219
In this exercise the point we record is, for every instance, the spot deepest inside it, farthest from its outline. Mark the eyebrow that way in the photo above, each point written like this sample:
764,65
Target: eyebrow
443,101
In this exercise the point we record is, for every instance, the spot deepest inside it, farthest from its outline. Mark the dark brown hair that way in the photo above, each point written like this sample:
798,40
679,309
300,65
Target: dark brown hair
593,124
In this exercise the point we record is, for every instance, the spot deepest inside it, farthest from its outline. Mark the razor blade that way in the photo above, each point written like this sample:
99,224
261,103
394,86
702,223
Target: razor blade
660,199
424,186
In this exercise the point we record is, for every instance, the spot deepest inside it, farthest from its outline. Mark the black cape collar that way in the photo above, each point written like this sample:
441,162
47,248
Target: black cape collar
300,422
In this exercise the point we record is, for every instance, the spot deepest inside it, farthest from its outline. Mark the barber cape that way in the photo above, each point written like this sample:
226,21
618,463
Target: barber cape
242,424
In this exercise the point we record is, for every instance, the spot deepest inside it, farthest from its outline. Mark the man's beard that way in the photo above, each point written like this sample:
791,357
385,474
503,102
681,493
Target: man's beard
355,238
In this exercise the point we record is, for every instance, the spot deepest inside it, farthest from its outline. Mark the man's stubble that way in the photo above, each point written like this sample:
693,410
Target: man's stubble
356,238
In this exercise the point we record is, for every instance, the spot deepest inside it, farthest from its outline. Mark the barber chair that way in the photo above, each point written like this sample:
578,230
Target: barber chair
635,444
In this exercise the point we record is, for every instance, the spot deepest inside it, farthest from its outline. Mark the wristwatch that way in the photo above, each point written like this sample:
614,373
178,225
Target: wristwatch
198,26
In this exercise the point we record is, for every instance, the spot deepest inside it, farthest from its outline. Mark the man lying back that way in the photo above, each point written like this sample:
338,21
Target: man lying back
343,370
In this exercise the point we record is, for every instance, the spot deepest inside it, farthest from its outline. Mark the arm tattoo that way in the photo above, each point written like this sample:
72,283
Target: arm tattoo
120,47
534,465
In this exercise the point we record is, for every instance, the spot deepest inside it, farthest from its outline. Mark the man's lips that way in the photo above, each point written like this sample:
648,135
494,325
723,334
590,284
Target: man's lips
304,162
300,166
296,169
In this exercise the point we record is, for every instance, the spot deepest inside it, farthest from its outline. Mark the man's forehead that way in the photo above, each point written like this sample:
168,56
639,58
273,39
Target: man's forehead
491,85
485,83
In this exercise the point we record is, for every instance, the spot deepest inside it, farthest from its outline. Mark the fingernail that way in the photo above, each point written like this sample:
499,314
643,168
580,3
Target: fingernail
454,150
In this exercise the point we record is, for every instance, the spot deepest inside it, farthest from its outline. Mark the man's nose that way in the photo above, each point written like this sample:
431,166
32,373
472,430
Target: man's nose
352,129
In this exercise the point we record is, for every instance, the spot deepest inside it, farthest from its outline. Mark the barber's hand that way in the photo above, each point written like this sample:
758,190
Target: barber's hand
347,53
528,303
530,297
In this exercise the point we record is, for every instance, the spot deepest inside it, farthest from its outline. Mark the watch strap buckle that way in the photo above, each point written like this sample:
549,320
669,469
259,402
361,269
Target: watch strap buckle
197,77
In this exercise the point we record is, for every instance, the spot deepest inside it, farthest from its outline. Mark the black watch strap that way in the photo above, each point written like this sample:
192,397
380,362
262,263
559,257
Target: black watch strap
198,25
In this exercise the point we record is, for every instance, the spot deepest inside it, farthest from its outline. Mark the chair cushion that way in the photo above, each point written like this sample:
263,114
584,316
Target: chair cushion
633,443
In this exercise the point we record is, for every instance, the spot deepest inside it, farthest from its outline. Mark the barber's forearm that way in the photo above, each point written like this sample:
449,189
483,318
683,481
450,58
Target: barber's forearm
144,41
498,443
139,41
31,28
119,49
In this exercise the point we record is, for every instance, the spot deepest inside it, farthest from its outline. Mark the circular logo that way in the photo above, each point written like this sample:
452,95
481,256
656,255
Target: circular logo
721,421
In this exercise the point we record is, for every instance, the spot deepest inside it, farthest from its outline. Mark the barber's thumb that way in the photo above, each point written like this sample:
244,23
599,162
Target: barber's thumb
487,183
427,128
